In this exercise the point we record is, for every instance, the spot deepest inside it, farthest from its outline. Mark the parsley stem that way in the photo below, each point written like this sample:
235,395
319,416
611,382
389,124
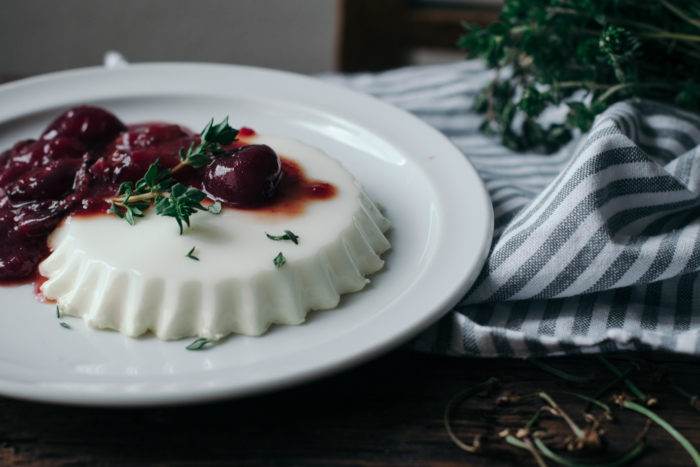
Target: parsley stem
527,445
632,387
453,403
533,420
574,427
636,450
617,381
666,426
591,400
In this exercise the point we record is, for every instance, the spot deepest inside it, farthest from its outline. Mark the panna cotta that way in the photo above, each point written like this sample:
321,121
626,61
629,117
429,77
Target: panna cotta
151,227
146,277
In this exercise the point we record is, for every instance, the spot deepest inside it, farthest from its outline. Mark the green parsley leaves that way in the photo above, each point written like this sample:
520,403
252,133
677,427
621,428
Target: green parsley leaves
279,260
288,235
171,199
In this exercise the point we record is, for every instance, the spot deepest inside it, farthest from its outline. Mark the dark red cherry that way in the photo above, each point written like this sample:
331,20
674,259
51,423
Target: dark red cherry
29,154
22,158
243,177
48,182
60,148
153,134
131,165
92,126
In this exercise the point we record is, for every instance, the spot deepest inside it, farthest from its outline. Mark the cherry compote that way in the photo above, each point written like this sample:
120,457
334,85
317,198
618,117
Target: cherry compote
86,153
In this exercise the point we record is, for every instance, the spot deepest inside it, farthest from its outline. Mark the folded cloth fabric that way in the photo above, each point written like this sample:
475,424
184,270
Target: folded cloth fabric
596,248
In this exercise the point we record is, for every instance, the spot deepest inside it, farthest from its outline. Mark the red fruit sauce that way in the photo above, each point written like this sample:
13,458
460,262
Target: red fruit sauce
86,153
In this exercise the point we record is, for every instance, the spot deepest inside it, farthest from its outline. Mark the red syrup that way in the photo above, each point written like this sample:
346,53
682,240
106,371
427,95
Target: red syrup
82,158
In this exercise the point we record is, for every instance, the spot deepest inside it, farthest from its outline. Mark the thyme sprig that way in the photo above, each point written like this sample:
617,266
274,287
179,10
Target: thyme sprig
213,137
612,50
158,188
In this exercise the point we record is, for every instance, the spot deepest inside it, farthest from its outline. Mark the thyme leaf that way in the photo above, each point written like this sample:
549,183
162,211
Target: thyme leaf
199,343
288,235
190,255
279,260
65,325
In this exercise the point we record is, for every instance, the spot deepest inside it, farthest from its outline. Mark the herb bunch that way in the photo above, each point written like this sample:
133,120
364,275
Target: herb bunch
159,189
613,49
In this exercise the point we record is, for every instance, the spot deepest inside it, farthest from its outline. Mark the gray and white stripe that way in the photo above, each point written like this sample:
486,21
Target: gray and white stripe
596,248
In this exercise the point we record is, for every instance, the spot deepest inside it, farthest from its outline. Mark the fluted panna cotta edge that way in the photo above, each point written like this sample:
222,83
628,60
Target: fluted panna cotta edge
124,300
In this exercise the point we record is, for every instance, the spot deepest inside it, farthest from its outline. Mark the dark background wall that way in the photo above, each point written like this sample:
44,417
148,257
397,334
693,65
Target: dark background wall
38,36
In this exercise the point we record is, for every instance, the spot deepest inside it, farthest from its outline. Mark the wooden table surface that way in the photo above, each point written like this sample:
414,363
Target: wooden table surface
387,412
384,413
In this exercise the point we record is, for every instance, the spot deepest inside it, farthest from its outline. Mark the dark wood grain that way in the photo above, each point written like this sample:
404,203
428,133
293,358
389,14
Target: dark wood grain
385,413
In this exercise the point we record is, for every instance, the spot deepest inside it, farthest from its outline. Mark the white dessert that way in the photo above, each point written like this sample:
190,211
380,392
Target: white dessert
138,279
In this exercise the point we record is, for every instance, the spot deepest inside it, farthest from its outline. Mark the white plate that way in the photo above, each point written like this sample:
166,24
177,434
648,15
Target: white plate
440,211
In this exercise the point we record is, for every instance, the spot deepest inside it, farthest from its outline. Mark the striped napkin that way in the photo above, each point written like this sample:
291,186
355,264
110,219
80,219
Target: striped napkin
596,248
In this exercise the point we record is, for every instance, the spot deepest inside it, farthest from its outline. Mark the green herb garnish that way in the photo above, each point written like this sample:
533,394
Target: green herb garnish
64,325
213,137
288,235
190,255
199,343
612,50
279,260
58,312
171,199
